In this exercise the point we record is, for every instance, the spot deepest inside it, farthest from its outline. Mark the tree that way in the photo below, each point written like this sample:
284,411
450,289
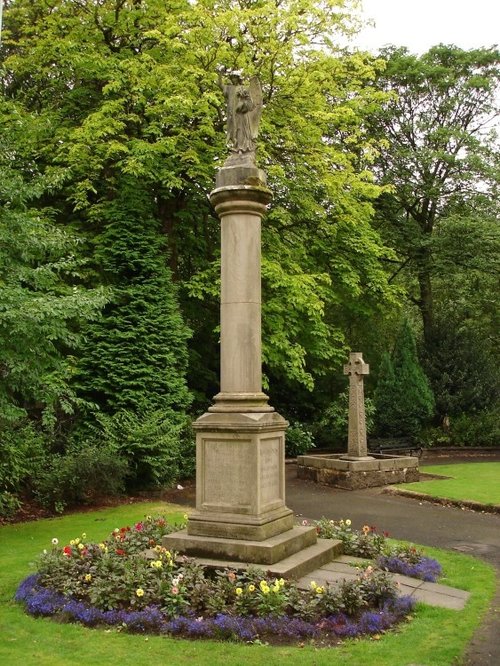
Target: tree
131,89
136,353
403,398
440,158
43,304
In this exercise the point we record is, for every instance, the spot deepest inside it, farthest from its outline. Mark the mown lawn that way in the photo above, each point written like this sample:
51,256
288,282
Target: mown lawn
435,636
478,482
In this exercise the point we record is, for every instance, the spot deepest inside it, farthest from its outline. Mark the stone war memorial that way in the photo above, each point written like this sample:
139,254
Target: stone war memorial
357,469
241,515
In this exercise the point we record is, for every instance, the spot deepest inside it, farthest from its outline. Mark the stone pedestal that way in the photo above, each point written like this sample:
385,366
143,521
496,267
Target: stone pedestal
240,476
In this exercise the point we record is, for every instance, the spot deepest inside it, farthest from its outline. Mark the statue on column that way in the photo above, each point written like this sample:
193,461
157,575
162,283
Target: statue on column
244,109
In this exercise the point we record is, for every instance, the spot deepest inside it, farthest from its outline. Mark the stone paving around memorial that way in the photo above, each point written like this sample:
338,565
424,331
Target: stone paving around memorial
345,568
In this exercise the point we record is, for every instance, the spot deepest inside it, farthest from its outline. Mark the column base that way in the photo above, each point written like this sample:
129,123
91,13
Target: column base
240,475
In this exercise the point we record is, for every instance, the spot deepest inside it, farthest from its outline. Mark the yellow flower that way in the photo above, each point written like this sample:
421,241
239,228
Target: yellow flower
72,542
139,592
84,536
348,522
239,591
156,564
320,590
366,529
313,585
102,546
81,546
281,582
276,587
77,541
264,587
251,588
186,516
88,578
158,549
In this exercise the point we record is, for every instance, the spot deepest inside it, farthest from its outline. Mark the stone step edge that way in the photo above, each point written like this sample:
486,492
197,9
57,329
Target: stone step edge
294,566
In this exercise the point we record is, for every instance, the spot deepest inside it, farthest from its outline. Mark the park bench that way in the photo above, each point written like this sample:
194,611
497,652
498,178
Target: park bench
395,446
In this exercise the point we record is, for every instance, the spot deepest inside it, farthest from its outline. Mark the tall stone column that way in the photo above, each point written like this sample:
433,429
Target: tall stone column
240,442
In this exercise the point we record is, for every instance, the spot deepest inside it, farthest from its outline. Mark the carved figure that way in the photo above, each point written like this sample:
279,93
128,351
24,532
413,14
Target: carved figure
244,109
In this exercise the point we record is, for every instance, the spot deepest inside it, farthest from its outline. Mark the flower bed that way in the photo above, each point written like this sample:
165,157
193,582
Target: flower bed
132,582
368,543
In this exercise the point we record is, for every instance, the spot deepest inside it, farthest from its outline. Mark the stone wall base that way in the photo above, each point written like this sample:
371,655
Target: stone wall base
382,471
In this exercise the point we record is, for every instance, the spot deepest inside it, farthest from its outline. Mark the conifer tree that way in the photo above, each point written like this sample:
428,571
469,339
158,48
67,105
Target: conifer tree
403,398
136,355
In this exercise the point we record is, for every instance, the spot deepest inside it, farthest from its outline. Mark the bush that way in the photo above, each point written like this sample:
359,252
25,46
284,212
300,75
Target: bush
333,425
22,451
298,439
477,429
157,445
80,477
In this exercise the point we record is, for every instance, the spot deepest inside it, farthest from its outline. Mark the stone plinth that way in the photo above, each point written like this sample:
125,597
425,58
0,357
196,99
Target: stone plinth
240,476
338,471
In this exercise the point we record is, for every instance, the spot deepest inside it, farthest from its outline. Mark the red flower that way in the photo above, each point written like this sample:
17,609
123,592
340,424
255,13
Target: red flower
120,551
386,534
67,550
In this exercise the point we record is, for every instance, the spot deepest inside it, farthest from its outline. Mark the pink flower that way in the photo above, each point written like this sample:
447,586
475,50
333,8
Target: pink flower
175,590
304,522
139,527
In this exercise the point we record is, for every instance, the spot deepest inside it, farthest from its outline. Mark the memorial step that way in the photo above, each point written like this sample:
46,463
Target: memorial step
294,566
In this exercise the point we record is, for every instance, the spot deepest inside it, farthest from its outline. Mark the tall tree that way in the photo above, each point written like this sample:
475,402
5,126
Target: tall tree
130,88
43,303
440,157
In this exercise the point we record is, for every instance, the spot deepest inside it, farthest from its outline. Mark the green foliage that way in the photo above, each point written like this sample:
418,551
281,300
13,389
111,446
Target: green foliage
403,399
155,444
136,354
462,367
481,428
43,303
135,93
80,476
441,159
298,440
332,427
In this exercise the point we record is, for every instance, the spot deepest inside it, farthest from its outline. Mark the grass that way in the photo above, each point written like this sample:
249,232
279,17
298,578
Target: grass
436,636
477,482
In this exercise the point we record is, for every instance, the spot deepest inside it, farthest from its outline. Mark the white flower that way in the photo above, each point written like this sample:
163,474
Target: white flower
55,541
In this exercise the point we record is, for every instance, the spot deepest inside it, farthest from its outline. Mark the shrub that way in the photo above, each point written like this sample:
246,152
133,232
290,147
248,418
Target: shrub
80,477
299,439
155,444
335,419
22,451
476,429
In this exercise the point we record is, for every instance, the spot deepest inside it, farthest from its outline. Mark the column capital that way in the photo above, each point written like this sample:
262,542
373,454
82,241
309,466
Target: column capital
245,199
